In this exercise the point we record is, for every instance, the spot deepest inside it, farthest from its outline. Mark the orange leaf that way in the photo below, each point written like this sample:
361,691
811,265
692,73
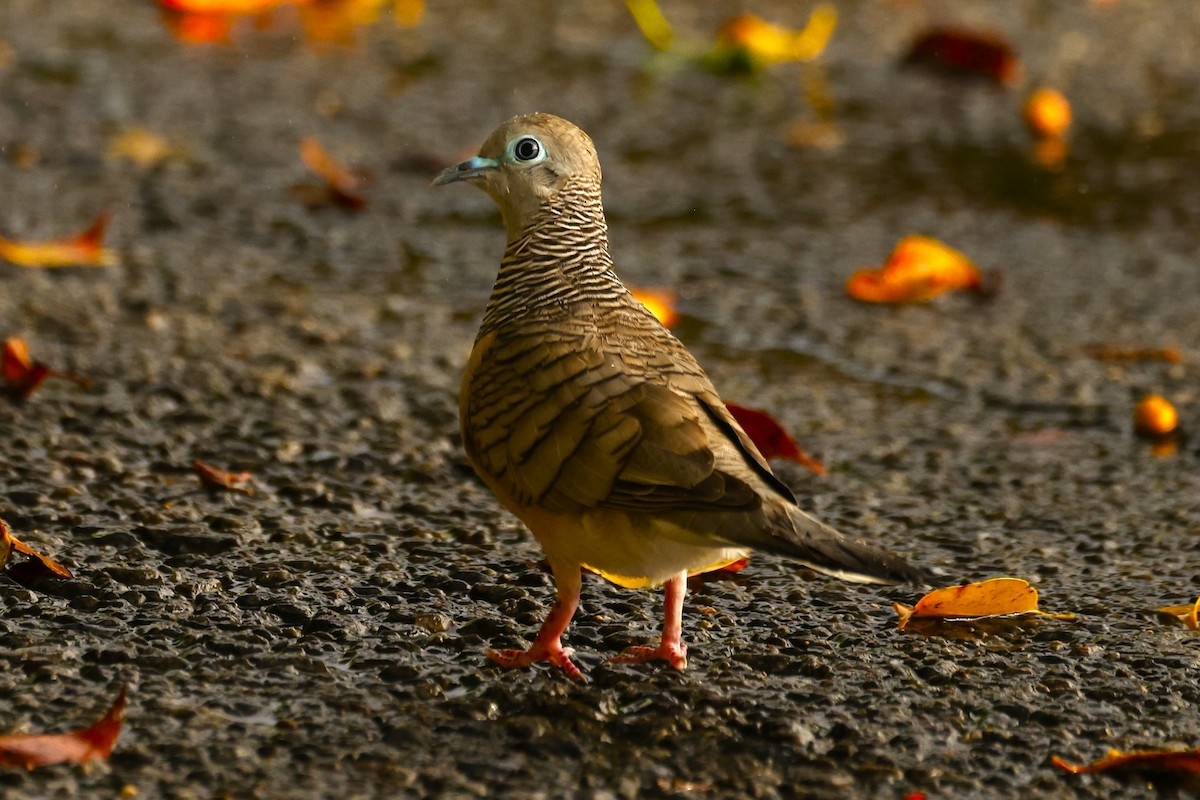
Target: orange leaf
770,438
992,598
1188,615
83,249
1154,416
76,747
191,28
1186,761
22,377
918,269
214,478
226,6
345,187
967,53
1048,113
8,543
660,302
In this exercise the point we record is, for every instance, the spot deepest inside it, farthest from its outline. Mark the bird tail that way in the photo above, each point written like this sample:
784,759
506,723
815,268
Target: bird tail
817,545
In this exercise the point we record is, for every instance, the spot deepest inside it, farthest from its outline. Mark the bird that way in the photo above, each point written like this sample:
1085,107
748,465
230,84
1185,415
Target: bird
594,425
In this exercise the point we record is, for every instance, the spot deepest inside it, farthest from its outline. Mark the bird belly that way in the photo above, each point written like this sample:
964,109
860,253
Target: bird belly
631,551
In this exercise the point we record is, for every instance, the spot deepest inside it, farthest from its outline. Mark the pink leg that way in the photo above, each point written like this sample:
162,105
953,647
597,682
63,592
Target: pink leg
548,645
671,649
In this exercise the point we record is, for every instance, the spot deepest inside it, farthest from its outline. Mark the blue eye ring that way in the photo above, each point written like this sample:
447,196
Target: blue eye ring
526,149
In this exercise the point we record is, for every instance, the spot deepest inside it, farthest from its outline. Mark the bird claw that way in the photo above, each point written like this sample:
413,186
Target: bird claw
674,653
512,658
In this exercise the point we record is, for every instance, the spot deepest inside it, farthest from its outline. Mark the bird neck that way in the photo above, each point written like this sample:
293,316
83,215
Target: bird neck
558,259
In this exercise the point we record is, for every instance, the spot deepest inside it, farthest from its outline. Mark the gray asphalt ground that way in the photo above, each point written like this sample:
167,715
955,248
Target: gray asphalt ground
324,637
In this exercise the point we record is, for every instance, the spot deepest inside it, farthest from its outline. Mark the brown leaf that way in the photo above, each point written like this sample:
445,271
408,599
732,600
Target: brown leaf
76,747
1114,352
345,187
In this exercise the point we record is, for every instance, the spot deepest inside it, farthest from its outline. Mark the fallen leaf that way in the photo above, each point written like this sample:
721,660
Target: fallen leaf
660,303
651,22
770,437
9,543
967,53
141,146
767,43
408,13
76,747
1113,352
1154,416
991,598
337,21
1177,762
343,185
84,249
193,28
1047,113
226,6
214,478
22,376
918,269
1189,615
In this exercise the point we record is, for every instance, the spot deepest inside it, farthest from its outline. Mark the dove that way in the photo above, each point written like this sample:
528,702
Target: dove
596,427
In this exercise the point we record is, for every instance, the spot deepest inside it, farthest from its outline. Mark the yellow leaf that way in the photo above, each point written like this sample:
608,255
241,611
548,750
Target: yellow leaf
83,249
773,44
992,598
141,146
651,23
1188,615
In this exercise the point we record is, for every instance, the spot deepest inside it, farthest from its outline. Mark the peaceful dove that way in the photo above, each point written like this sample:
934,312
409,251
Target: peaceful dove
595,426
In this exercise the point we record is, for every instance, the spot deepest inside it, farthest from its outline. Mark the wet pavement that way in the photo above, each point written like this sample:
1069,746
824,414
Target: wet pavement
324,637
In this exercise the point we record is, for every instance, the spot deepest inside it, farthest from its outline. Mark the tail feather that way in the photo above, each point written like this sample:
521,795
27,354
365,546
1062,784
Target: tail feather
824,549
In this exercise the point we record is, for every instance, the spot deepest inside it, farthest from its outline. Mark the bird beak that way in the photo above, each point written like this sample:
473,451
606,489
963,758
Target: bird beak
475,167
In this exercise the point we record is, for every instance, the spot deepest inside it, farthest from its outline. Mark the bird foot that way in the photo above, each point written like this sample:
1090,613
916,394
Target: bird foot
555,654
674,653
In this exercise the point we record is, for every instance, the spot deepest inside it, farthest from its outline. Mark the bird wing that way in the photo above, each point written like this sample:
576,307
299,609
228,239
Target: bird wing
563,422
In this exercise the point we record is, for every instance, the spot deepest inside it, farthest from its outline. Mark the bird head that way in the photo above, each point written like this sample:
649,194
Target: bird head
524,165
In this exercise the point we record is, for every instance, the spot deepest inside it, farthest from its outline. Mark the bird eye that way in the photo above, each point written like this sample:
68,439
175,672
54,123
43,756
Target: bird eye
527,149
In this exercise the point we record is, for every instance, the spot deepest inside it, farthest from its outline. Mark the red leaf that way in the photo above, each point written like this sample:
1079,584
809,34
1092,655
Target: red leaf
22,377
968,53
771,439
214,478
76,747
